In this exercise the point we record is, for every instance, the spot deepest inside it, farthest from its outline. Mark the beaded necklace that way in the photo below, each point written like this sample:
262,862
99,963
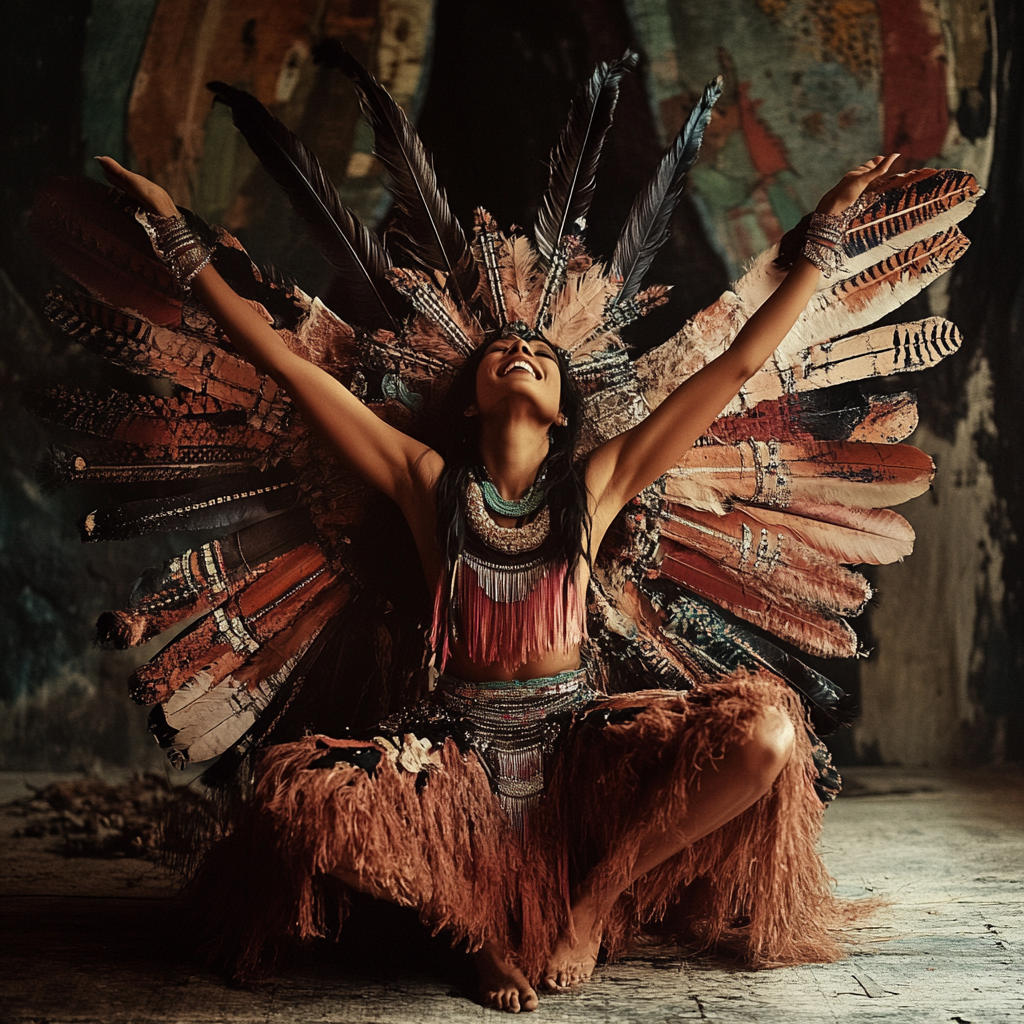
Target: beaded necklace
524,506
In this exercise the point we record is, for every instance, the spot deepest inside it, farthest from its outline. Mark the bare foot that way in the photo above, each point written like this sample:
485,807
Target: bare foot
502,987
572,963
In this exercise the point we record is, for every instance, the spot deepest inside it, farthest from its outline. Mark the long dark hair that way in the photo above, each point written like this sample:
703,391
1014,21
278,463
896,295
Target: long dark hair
460,447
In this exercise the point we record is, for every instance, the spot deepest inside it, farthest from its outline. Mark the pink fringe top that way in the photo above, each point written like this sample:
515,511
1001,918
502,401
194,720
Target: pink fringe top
496,629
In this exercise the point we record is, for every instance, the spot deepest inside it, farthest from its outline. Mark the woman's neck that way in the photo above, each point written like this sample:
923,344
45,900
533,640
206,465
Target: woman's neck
512,453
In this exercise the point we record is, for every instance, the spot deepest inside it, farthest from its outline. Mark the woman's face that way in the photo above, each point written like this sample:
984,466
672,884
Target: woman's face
513,370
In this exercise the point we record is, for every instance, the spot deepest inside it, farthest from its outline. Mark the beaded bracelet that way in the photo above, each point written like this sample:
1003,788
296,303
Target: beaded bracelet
825,236
177,245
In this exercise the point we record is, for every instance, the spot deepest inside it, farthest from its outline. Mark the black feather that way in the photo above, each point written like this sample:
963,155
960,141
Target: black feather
231,502
346,244
575,158
425,228
647,228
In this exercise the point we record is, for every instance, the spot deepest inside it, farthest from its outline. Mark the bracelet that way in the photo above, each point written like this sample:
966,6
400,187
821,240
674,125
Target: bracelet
178,246
826,233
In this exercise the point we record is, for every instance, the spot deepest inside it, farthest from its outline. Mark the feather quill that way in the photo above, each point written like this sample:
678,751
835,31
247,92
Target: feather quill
426,229
574,159
345,242
647,228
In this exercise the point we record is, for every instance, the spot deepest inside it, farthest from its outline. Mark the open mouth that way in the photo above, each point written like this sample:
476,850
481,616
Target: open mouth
522,365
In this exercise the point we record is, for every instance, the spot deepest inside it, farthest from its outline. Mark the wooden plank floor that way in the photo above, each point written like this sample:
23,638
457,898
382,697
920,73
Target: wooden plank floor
88,941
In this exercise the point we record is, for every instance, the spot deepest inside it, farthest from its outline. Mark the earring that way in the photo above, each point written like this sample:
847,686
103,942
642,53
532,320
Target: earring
470,411
563,420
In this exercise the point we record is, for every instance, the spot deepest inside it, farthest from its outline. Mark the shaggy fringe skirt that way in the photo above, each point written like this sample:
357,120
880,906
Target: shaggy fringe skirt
419,823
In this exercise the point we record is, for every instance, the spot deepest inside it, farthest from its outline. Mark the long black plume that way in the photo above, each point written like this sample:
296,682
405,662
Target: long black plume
347,245
575,158
647,228
425,228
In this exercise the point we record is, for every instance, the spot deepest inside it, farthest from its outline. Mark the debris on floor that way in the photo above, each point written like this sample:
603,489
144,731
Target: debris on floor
96,819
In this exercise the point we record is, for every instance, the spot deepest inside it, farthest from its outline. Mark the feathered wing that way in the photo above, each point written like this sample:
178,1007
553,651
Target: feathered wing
756,527
224,450
790,485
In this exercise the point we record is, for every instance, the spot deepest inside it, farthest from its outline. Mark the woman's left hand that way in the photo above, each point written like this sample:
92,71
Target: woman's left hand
852,184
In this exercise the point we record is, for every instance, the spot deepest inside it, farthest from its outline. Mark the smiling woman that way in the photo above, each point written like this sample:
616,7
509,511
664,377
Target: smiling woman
554,792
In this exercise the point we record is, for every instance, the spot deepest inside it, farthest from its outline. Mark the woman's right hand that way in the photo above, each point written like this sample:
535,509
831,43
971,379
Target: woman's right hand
146,193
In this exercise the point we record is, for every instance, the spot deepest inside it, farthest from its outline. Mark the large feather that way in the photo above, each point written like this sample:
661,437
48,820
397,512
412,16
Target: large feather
346,244
199,580
426,229
574,159
228,636
780,474
647,228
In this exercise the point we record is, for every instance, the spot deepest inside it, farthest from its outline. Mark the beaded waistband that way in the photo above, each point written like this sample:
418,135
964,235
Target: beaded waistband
564,682
516,725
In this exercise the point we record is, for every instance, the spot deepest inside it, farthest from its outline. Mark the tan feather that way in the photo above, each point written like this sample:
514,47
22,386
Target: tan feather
578,310
870,536
774,474
522,278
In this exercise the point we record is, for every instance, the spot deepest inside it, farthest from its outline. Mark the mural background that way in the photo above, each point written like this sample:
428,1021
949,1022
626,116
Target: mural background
812,87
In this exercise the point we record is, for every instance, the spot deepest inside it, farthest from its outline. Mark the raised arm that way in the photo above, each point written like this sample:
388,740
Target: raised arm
397,464
626,464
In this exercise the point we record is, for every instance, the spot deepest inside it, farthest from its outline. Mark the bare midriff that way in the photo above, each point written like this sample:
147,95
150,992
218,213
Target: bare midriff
543,665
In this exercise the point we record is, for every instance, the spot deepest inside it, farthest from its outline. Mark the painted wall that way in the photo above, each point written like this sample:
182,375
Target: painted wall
812,87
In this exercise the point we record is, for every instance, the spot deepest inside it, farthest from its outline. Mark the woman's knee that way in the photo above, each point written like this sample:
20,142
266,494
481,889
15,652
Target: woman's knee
769,745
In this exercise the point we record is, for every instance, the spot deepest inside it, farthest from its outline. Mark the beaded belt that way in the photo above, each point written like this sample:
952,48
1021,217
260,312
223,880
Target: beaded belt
516,726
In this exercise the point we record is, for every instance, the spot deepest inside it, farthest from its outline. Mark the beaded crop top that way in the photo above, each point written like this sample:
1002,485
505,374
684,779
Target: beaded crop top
508,596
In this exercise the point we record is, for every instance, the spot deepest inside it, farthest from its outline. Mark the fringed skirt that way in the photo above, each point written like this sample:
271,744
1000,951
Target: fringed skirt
433,813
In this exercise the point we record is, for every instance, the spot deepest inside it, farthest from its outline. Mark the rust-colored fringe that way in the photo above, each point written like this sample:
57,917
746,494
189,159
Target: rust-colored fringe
439,842
756,886
436,841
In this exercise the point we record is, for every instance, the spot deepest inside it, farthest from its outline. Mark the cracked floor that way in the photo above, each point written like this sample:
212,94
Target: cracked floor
96,941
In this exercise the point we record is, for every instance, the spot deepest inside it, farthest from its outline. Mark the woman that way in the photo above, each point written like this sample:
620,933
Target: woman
517,401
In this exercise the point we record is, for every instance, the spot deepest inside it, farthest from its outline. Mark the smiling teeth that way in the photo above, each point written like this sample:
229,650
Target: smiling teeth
519,363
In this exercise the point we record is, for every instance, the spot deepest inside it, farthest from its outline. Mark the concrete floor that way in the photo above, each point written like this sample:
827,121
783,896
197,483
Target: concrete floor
94,940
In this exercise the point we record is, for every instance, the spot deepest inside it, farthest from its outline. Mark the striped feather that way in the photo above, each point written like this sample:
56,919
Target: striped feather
489,246
196,581
855,302
226,638
188,421
143,348
427,298
875,353
905,208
